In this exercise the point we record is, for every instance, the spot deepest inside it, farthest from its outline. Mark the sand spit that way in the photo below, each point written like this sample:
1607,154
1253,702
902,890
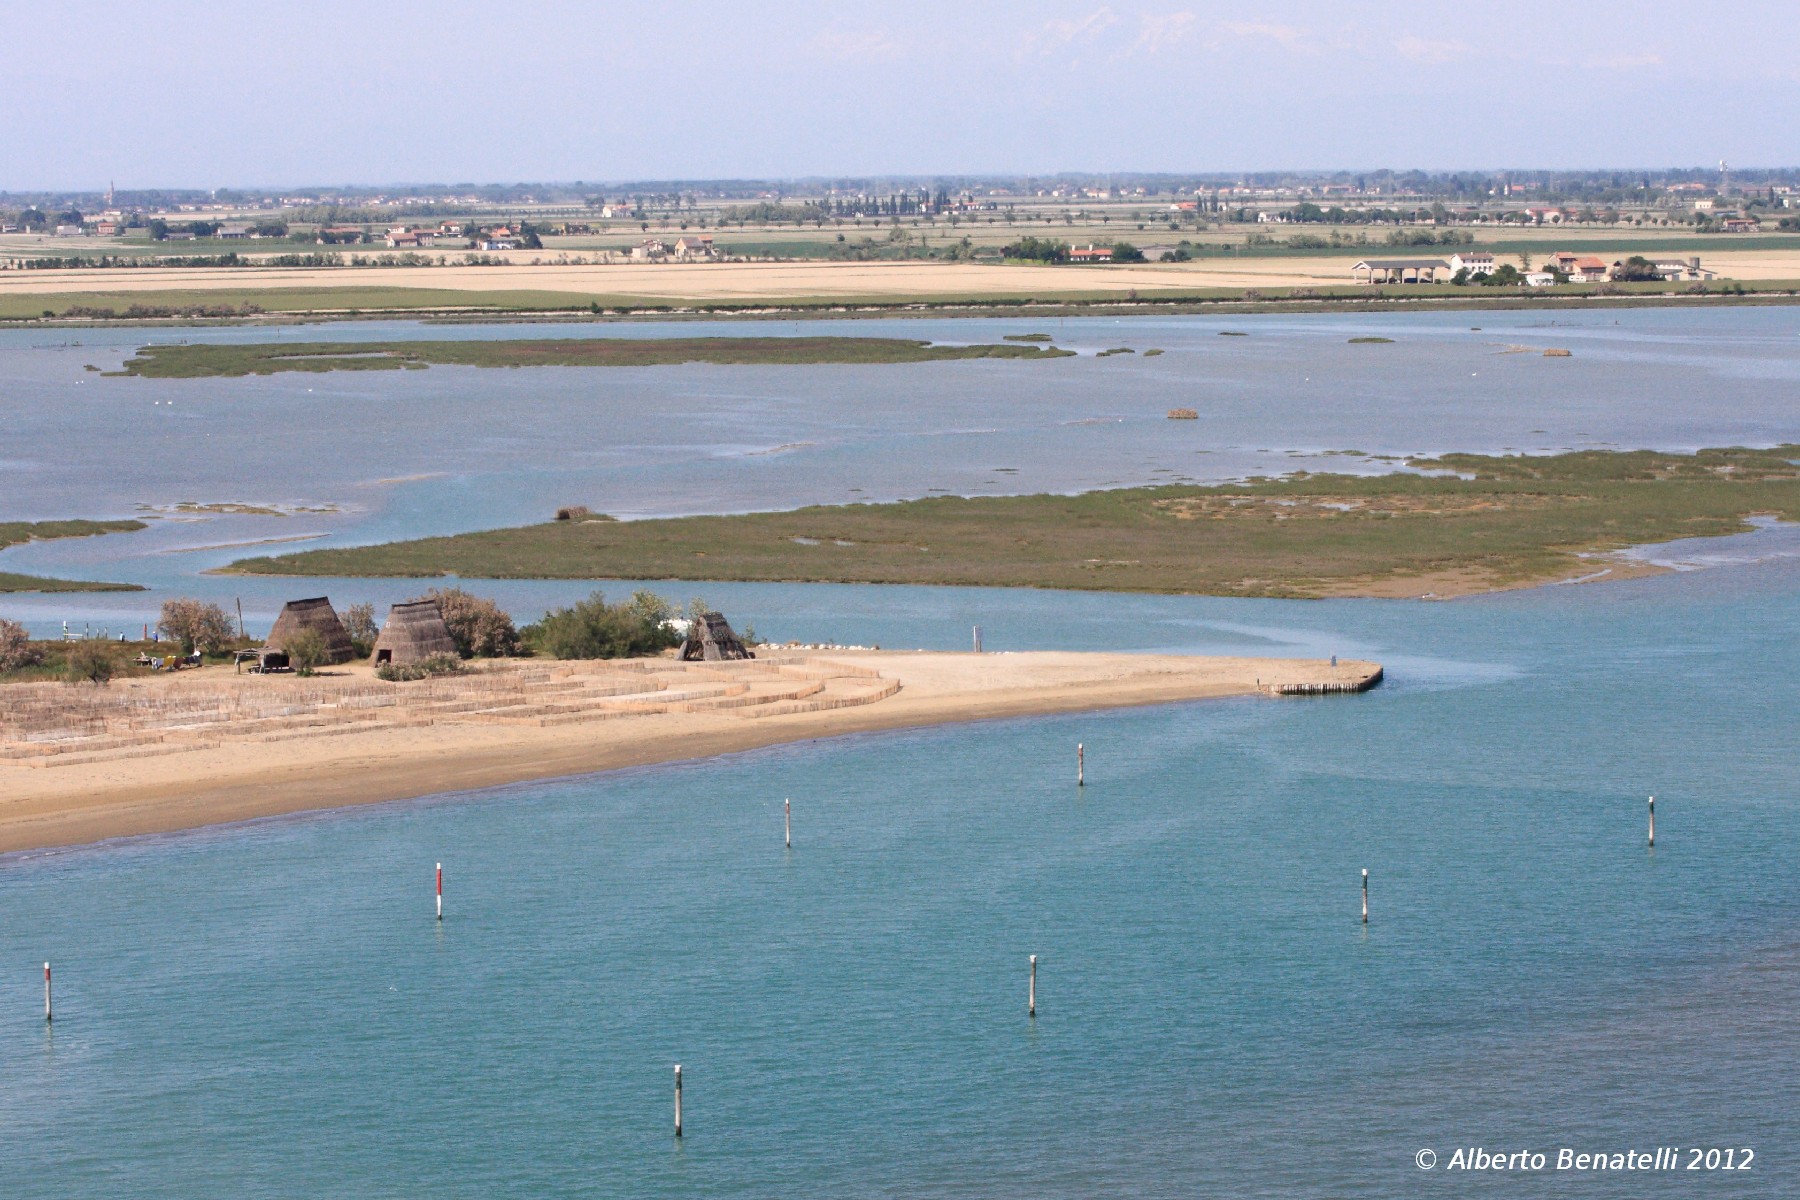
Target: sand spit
80,765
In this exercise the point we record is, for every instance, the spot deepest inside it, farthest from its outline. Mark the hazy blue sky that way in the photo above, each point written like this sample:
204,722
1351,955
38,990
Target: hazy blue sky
186,94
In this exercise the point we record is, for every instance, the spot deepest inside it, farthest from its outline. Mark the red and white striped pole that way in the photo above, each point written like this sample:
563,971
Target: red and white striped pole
440,891
47,1013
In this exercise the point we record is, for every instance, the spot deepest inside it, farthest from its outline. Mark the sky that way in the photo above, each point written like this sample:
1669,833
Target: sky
181,94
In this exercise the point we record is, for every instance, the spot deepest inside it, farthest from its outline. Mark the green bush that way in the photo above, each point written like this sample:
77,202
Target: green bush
307,651
90,662
425,668
592,628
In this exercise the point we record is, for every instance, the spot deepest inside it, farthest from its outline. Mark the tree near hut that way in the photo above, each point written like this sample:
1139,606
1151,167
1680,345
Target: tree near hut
359,623
478,626
195,624
16,650
89,662
307,651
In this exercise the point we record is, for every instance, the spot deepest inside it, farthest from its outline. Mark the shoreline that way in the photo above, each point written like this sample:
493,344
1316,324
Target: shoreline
967,309
227,782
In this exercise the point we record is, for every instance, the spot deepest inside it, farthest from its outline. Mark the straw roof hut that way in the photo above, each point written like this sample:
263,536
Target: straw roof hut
315,614
710,639
413,632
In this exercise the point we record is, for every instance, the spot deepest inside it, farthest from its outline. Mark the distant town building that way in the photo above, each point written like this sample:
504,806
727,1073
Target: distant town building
1475,262
694,245
1741,225
1090,253
410,239
233,233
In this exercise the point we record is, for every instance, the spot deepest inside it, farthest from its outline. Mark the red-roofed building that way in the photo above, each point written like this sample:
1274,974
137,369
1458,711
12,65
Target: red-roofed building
1090,253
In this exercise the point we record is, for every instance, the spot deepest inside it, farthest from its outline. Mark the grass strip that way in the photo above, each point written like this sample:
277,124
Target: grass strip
197,361
13,533
1498,521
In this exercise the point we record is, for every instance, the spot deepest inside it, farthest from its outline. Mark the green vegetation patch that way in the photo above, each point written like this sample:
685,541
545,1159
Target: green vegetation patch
196,361
13,533
1371,341
1491,521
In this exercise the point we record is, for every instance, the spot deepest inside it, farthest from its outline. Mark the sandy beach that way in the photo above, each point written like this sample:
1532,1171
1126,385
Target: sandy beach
168,753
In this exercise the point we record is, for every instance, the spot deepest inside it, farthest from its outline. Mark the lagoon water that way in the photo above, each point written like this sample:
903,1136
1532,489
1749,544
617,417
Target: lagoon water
269,1009
411,453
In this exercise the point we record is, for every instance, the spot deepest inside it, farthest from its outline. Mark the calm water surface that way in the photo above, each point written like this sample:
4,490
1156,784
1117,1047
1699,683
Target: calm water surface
270,1010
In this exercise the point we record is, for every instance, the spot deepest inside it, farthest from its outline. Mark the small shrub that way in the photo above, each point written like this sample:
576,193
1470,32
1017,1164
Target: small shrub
90,662
16,650
307,651
437,664
592,628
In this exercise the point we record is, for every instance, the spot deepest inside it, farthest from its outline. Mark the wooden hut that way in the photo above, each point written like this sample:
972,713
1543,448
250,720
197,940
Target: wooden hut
413,632
315,614
710,639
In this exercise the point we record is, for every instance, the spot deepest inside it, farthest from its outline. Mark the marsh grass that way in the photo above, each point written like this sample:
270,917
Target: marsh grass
13,533
194,361
1500,520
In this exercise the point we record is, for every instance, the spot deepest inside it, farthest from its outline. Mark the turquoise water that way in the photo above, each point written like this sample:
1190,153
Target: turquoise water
270,1010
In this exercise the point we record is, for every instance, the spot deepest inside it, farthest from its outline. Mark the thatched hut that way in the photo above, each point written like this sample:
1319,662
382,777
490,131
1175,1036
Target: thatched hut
315,614
710,639
413,632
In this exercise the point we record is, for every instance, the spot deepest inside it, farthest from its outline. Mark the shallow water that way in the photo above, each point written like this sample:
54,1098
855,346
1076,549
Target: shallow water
269,1010
410,453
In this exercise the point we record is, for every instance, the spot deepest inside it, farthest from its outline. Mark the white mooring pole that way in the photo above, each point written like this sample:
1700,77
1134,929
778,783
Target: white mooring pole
1080,765
677,1099
1653,822
48,1016
440,891
787,820
1365,871
1031,993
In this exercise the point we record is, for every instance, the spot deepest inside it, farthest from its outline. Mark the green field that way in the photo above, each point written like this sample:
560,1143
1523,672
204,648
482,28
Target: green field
13,533
1500,521
267,358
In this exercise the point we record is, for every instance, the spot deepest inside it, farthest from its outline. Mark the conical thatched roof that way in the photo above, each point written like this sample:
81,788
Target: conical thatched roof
414,631
711,639
316,614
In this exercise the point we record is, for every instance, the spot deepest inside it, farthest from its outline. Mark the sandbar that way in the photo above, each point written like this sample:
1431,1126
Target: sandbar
209,747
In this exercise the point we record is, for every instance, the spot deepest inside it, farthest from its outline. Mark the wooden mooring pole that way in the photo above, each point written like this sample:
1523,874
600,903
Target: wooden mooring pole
48,1014
1365,872
1653,822
440,891
1080,765
677,1099
1031,992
